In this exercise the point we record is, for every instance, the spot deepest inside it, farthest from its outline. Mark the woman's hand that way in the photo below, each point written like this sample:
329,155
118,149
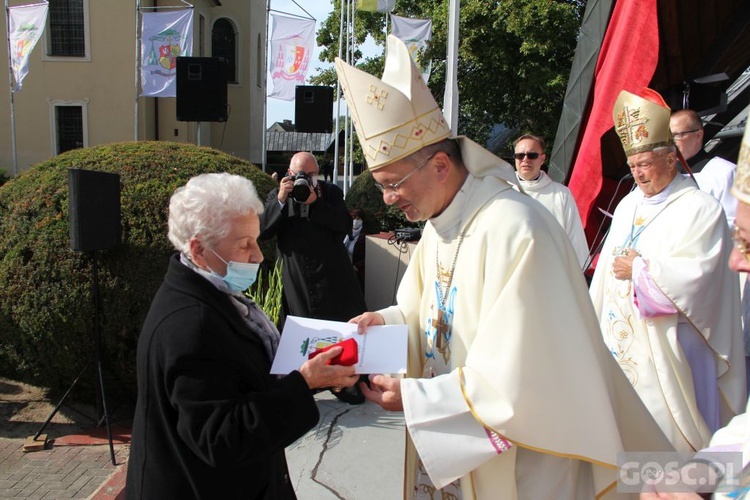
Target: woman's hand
319,374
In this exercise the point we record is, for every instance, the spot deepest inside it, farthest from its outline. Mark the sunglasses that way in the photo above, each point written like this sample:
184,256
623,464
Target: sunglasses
521,156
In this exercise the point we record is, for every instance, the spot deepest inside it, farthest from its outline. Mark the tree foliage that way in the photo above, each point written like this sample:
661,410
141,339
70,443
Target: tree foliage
514,58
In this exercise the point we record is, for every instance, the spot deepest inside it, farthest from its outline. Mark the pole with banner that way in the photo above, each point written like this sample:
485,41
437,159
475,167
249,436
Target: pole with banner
25,26
10,90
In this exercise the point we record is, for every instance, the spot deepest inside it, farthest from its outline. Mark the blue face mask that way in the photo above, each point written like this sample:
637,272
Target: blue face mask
240,275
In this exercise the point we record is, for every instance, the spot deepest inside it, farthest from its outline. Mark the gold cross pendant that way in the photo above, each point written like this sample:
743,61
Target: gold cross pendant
441,329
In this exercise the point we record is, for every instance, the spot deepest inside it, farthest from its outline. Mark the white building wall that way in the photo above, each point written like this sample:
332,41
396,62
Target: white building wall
104,83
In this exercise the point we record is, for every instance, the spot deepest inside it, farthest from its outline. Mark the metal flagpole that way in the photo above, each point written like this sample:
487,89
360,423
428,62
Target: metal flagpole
450,99
137,62
265,92
10,89
338,97
350,177
347,58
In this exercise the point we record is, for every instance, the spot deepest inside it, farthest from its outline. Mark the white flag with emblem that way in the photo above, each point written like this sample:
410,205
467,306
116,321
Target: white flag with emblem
25,27
164,37
415,33
291,51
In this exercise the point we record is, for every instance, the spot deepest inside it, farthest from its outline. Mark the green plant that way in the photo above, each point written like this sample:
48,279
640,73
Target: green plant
46,304
266,292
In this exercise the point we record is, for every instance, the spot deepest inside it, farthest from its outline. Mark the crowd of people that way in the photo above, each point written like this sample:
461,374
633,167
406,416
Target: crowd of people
522,381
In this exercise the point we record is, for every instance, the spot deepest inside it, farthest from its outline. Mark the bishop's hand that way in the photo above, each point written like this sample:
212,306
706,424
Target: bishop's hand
622,267
385,391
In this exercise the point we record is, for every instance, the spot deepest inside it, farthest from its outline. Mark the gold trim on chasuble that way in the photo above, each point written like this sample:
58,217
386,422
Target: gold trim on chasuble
618,326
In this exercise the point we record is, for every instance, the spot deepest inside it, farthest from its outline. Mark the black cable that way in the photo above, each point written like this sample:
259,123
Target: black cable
402,248
590,259
224,130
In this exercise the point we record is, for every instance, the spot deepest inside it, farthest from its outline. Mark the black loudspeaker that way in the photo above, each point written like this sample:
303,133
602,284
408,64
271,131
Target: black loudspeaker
313,108
704,99
94,207
202,89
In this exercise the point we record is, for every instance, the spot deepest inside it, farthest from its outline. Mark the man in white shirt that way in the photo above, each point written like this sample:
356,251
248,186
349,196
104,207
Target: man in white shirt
716,176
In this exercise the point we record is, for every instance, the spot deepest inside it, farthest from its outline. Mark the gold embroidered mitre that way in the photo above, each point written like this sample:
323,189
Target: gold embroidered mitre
642,121
741,186
396,116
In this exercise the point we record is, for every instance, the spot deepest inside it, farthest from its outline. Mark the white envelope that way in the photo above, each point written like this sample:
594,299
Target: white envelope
382,349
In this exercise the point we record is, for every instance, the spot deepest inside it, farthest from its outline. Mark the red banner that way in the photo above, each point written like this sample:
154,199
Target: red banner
627,60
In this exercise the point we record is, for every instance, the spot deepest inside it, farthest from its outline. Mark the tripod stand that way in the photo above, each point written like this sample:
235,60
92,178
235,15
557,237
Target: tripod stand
97,360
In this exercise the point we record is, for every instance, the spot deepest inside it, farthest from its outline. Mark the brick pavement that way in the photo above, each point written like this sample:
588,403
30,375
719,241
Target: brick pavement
73,467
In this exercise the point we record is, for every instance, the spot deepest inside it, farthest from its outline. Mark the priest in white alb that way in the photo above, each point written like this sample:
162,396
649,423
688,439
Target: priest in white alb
510,392
667,303
555,197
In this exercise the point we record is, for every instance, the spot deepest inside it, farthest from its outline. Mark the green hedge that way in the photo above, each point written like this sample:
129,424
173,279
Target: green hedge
46,304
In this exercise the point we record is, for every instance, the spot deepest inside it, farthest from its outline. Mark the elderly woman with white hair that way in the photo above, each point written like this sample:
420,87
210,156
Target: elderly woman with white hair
210,420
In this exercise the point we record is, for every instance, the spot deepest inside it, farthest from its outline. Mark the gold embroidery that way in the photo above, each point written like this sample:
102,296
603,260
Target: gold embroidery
378,98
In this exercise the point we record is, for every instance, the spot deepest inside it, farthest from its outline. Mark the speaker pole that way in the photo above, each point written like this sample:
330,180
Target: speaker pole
97,360
98,354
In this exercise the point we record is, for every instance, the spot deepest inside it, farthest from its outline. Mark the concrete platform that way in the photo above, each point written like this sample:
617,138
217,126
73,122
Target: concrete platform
355,452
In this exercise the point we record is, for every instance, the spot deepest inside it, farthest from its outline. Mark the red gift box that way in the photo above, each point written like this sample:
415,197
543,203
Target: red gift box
347,357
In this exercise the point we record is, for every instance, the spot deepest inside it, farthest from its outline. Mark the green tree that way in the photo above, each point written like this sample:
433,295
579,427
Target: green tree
514,58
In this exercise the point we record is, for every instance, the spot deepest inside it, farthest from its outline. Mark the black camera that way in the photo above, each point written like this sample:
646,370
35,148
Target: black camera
301,187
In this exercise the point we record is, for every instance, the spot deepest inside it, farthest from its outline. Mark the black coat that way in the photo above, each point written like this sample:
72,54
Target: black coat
318,278
210,421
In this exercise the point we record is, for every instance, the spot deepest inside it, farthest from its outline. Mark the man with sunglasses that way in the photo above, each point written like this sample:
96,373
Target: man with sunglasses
668,305
504,351
529,156
716,175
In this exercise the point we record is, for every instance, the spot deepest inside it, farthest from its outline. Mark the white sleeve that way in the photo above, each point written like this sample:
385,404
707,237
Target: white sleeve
392,315
449,440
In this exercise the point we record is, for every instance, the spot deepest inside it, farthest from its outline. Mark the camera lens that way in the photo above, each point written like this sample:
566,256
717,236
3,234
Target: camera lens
301,188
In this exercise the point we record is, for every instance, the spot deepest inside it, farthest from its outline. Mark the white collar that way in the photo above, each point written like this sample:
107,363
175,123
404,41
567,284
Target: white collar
659,198
448,224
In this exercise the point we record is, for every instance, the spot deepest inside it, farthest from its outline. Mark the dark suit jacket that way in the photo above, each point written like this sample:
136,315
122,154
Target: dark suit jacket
317,275
210,421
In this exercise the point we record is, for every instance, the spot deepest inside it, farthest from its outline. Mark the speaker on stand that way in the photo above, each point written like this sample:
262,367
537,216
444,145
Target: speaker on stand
95,224
202,89
313,108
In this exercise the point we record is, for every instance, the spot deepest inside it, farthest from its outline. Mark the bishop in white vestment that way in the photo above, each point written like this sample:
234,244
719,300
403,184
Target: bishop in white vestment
510,392
667,303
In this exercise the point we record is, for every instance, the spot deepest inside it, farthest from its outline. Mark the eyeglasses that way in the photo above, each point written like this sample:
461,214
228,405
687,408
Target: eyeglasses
521,156
393,188
743,247
678,136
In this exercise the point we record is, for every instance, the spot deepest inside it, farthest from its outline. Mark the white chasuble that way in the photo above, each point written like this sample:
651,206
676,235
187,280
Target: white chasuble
682,236
520,398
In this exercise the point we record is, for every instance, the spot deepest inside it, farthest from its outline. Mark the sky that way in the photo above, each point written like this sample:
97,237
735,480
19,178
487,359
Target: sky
276,109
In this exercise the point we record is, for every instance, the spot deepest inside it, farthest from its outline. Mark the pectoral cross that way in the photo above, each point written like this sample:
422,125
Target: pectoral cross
441,329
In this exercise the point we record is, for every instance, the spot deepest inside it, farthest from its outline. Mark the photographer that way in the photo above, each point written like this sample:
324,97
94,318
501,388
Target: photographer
309,219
